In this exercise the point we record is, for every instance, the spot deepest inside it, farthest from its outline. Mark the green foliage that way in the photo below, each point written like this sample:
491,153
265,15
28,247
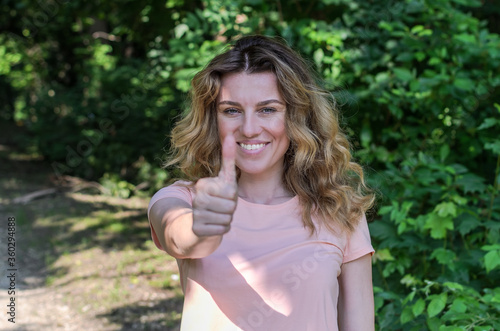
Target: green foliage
99,85
451,306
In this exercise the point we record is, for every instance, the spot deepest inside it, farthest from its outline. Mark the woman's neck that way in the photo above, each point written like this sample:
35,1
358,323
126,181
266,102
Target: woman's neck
263,190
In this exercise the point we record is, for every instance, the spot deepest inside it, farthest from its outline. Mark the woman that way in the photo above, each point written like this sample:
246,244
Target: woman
269,232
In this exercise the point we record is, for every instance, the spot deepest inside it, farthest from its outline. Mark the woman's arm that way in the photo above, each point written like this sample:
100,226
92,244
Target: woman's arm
172,220
195,232
355,307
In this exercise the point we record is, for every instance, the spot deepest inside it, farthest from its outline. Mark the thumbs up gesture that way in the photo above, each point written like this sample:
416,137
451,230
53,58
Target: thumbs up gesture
215,199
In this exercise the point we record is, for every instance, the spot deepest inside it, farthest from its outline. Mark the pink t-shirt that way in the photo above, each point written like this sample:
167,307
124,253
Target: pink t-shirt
268,272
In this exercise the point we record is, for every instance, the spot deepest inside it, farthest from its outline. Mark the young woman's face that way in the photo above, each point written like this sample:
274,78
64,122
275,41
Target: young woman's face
250,107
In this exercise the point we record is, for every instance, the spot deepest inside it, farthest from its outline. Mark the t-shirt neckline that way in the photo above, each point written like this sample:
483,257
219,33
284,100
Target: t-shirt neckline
292,200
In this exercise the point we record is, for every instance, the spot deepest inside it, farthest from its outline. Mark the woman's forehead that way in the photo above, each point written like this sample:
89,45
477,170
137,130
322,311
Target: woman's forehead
255,87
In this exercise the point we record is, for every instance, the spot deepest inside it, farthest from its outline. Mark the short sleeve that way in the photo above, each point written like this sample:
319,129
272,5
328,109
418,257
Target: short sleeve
177,190
359,242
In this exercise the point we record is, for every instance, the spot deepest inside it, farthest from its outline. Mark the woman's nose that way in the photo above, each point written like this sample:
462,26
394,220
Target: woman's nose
250,126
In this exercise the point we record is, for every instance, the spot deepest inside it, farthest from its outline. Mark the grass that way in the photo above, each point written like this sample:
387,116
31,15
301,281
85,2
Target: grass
96,250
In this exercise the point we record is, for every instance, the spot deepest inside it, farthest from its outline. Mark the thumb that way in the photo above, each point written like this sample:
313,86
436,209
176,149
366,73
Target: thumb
228,167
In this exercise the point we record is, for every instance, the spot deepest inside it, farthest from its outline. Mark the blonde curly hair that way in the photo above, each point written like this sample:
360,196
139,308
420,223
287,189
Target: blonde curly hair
317,166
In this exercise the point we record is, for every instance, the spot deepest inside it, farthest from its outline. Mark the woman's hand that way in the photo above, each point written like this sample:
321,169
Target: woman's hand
215,199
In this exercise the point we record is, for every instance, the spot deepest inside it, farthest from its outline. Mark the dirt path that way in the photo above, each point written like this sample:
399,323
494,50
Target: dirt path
89,287
65,281
37,306
84,261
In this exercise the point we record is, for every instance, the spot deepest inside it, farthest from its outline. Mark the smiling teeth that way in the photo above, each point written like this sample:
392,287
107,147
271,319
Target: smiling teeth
252,147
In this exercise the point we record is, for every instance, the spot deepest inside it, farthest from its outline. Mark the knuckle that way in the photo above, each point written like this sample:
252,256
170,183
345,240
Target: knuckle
204,185
226,219
200,201
231,206
234,191
224,229
197,229
199,217
229,191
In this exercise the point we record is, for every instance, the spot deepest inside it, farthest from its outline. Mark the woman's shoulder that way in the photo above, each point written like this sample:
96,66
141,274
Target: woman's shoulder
179,184
180,189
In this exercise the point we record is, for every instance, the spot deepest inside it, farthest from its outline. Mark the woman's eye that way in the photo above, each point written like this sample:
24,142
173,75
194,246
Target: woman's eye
230,111
268,110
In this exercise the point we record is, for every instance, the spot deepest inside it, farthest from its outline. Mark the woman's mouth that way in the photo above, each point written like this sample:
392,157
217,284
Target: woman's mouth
252,147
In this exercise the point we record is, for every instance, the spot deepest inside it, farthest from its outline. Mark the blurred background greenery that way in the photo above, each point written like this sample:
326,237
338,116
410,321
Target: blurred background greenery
93,88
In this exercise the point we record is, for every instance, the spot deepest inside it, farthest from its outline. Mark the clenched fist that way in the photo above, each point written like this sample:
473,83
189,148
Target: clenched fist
215,200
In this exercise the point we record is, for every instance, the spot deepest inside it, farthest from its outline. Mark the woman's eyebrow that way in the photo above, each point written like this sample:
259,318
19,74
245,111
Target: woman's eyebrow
231,103
259,104
266,102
